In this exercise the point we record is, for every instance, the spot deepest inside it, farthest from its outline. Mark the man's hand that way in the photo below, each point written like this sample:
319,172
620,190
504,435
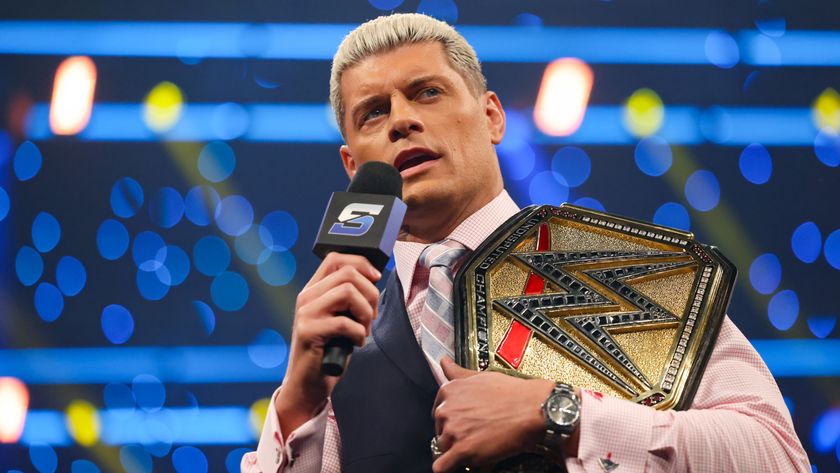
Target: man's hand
342,282
483,418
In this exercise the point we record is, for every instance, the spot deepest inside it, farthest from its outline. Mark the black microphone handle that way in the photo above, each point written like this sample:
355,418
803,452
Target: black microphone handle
336,351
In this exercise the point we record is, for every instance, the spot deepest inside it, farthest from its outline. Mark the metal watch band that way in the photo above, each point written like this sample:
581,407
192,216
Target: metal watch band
555,435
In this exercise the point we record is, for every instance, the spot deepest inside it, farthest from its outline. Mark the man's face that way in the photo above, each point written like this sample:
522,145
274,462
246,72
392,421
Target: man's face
409,108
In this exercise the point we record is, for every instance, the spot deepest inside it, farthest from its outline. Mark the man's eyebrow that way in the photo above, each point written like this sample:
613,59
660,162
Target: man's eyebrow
364,104
425,79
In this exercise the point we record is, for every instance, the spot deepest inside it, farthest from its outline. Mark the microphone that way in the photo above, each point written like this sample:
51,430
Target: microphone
365,220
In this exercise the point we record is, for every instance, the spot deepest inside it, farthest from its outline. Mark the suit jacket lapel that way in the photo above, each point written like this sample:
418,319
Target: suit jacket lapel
393,334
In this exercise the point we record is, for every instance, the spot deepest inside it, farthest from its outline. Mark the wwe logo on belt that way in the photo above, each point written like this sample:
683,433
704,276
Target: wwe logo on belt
594,297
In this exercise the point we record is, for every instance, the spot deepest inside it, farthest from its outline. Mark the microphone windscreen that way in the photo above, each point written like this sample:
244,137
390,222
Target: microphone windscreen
376,177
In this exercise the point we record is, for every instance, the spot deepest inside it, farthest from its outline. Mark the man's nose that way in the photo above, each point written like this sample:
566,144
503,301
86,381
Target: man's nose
404,119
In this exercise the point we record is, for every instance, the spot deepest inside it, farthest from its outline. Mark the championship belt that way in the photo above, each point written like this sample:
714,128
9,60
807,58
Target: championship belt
598,301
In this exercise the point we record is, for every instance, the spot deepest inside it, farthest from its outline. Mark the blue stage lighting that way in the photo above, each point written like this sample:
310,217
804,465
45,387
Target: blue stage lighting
83,466
135,459
211,255
45,428
721,49
755,164
653,156
112,239
148,392
43,458
216,161
189,460
46,232
278,230
702,190
546,188
236,215
783,309
230,121
152,286
384,5
201,205
126,197
27,161
822,325
117,324
4,203
766,273
234,458
827,149
672,214
268,350
70,275
250,248
29,265
573,164
831,249
590,203
206,316
445,10
148,251
177,264
119,397
806,242
278,269
49,303
166,207
229,291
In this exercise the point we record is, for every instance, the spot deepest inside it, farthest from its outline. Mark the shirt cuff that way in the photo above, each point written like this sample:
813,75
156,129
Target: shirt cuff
612,432
304,444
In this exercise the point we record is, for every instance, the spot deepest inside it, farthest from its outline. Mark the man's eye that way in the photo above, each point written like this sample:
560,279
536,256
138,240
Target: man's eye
430,92
373,114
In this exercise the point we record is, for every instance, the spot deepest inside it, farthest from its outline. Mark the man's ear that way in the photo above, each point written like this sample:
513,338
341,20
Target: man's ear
495,116
350,165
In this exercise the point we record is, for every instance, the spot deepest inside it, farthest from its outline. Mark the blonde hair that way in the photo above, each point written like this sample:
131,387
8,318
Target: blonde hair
389,32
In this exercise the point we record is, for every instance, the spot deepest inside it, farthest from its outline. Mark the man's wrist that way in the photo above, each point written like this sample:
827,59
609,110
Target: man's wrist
295,410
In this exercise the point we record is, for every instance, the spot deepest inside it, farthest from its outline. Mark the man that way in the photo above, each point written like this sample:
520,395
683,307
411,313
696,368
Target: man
408,90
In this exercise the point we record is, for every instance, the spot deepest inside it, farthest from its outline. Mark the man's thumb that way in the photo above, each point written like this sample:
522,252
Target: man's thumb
453,371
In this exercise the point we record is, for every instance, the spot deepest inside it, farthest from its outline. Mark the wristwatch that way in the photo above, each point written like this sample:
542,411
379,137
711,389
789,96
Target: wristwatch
562,413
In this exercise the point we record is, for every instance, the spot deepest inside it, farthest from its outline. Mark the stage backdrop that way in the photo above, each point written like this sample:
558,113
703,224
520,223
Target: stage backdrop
151,252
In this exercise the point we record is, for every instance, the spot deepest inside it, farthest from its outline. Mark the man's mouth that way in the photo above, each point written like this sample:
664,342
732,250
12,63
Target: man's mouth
410,158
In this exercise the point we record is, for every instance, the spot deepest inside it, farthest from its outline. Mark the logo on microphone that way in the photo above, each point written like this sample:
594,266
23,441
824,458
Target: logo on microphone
356,219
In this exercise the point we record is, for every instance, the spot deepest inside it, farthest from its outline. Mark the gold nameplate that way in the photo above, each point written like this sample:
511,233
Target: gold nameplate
602,302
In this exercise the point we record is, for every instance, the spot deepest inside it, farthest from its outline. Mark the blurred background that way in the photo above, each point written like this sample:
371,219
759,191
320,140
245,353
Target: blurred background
164,167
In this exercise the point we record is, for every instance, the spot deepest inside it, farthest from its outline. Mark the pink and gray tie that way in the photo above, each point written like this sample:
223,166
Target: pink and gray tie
437,329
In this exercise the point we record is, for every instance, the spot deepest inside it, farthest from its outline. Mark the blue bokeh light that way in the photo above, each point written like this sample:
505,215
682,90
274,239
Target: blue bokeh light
527,19
773,27
71,276
189,460
211,255
826,431
206,316
148,251
118,397
126,197
216,161
117,324
831,249
384,5
177,265
268,350
250,248
806,242
590,203
279,231
48,301
573,164
827,149
29,265
158,437
756,164
230,120
234,458
702,190
84,466
674,215
27,161
151,285
149,392
236,215
721,49
822,325
766,273
201,205
278,269
445,10
229,291
516,158
112,239
653,156
46,232
4,203
546,188
783,309
135,459
166,208
43,457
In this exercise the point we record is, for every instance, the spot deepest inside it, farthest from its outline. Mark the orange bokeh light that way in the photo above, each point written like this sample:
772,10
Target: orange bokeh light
72,99
563,97
14,402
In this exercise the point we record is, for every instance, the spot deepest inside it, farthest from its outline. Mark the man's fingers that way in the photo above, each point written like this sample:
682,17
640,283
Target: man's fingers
345,297
346,274
335,261
449,461
334,327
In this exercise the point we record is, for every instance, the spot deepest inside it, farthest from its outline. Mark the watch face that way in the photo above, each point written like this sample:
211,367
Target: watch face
562,410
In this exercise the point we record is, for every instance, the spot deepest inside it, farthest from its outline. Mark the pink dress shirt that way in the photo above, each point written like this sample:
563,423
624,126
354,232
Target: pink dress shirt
737,422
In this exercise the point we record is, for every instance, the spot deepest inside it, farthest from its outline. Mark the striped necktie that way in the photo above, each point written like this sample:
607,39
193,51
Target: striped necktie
437,329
